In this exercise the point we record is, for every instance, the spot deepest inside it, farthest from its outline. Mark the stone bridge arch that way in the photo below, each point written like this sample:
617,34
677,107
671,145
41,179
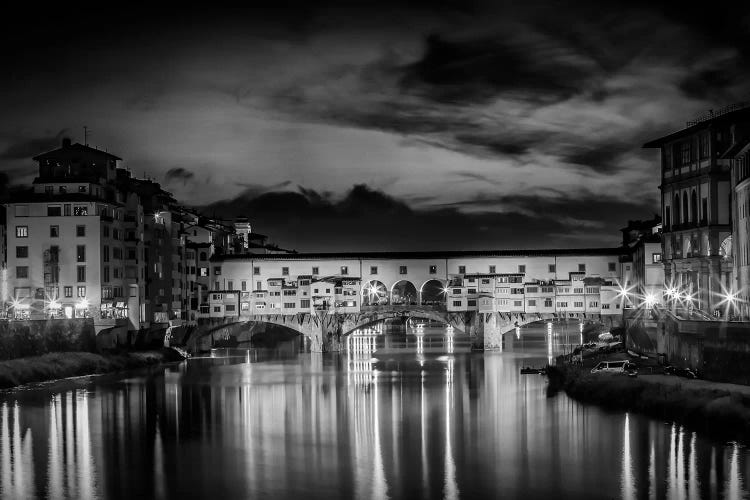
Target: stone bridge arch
432,292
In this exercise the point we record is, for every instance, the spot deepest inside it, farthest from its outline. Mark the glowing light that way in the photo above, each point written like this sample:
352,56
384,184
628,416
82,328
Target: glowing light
54,304
649,300
82,304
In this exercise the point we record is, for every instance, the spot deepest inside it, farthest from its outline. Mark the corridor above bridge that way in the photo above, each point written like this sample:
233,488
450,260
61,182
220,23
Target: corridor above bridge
534,281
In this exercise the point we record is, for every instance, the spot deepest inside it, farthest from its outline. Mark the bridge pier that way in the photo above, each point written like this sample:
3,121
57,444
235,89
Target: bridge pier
488,330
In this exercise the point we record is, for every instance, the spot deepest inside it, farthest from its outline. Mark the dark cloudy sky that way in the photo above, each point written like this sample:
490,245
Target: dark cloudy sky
462,124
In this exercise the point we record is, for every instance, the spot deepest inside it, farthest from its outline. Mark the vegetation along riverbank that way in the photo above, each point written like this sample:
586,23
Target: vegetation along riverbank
722,410
59,365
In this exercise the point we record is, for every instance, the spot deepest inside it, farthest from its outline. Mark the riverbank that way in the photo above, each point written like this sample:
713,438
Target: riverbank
60,365
721,410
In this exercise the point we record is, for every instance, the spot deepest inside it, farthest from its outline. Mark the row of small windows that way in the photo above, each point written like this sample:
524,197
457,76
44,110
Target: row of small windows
612,267
54,231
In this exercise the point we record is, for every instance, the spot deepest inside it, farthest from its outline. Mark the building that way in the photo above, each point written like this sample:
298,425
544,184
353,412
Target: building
646,279
566,282
699,207
90,240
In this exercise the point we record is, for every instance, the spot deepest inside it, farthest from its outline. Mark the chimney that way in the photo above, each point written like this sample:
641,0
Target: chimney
66,142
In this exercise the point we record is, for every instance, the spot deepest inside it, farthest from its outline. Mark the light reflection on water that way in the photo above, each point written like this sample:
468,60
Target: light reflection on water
379,421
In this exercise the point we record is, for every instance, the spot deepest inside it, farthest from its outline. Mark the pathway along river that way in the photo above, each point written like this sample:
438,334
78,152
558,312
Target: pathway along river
407,421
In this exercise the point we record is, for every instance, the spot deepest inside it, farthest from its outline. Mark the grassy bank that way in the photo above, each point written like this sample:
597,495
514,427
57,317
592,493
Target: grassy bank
722,413
59,365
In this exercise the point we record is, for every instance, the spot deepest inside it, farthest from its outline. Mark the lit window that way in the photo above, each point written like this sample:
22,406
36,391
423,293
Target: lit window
22,231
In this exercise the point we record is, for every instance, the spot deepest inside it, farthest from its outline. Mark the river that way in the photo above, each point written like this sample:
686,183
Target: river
425,418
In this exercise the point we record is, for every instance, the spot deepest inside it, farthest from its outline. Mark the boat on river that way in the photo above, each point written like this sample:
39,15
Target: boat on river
528,370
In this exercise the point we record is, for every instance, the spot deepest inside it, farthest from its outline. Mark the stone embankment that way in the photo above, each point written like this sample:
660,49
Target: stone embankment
721,410
60,365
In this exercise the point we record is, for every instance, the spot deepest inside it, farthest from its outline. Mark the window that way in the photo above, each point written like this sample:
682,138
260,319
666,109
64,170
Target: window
547,302
461,269
551,268
22,252
581,268
304,303
22,231
105,253
315,270
605,306
492,269
472,303
655,258
285,271
81,274
81,291
22,210
373,269
80,231
344,270
229,308
105,230
49,189
107,292
433,269
106,274
81,189
612,267
593,303
401,269
203,271
289,305
217,271
217,285
54,231
230,285
217,309
685,153
22,272
456,303
521,269
578,290
562,304
577,304
81,253
63,189
243,285
517,303
68,291
532,303
66,209
54,210
532,289
80,210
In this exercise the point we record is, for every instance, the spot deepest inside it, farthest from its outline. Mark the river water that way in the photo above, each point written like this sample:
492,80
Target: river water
422,418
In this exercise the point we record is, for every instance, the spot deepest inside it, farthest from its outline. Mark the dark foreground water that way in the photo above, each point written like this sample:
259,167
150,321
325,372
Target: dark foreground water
405,421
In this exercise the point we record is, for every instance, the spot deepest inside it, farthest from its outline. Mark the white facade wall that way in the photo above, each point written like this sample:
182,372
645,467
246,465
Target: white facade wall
39,240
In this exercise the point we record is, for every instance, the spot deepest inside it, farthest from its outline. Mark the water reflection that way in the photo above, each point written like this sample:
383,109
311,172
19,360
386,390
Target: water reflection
373,422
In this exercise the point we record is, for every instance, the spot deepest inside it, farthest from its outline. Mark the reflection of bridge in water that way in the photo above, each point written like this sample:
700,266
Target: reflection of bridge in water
327,330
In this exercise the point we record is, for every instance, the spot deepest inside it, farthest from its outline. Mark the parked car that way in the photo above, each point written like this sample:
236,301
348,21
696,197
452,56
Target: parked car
611,366
680,372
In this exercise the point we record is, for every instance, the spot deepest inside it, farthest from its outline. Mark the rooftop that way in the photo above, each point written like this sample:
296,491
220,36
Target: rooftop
450,254
724,115
74,148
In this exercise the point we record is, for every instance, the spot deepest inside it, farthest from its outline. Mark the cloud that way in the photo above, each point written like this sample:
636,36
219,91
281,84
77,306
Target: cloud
25,149
368,219
178,174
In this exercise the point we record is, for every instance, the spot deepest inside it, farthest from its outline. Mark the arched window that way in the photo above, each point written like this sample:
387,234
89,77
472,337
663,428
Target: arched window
676,205
685,212
694,207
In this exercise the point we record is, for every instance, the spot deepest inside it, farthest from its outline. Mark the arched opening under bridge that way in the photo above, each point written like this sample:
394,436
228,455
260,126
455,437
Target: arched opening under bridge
374,293
432,293
404,293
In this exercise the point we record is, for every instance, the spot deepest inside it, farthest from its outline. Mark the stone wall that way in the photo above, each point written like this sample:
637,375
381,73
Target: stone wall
32,338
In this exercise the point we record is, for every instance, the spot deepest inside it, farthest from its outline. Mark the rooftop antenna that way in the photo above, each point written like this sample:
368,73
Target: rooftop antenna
85,135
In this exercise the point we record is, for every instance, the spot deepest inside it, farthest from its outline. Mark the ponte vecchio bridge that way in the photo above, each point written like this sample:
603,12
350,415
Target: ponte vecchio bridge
483,294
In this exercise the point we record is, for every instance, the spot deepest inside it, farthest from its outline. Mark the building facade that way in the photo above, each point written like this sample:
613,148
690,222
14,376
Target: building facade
699,207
